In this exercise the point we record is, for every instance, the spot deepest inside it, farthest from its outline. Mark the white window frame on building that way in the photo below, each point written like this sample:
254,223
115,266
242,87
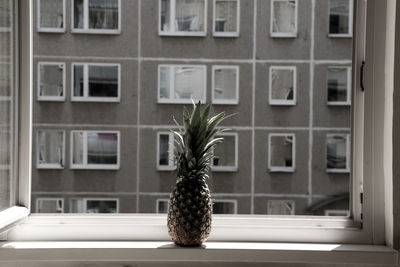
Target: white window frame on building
348,87
50,29
172,18
58,200
92,166
341,213
40,97
86,29
62,154
281,168
228,201
234,101
224,168
171,159
85,201
280,102
342,35
158,201
284,34
348,149
171,99
86,97
226,34
280,201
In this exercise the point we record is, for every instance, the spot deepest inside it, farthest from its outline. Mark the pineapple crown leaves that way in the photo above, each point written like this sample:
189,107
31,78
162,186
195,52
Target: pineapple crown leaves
194,144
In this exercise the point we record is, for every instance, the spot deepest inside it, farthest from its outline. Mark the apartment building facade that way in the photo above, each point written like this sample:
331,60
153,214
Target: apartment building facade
110,76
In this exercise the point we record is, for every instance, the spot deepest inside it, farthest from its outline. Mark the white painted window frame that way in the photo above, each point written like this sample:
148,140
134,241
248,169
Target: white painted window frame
86,29
284,34
225,101
233,201
86,97
171,160
51,98
158,201
85,200
280,168
172,100
39,200
280,102
342,35
92,166
330,212
226,34
292,202
348,154
173,32
50,29
349,83
49,165
224,168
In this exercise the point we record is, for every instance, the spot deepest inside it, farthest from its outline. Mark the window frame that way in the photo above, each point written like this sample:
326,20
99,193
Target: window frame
172,17
348,87
213,87
87,166
226,34
86,29
86,97
328,212
275,169
38,200
39,28
351,13
225,168
86,199
280,102
172,84
348,153
293,211
171,161
273,34
49,166
51,98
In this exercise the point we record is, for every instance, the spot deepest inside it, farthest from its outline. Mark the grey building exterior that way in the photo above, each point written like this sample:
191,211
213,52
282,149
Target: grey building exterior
138,115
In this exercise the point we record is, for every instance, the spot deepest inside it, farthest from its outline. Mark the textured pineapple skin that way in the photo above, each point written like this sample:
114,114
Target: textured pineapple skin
190,212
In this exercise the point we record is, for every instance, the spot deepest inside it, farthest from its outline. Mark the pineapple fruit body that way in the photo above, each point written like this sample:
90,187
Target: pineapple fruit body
189,213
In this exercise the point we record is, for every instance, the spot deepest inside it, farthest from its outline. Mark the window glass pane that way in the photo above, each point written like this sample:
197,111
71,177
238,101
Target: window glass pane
5,79
225,84
189,15
164,150
162,206
282,84
223,207
284,19
164,82
336,152
189,83
103,14
101,206
51,148
51,13
78,14
103,81
51,80
50,205
280,207
77,142
78,80
226,16
5,13
339,16
102,148
281,151
76,206
337,84
165,15
225,153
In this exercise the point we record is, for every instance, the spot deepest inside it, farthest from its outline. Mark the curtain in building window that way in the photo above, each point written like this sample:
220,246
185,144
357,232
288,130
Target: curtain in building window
103,14
225,16
78,14
51,13
51,147
284,16
189,15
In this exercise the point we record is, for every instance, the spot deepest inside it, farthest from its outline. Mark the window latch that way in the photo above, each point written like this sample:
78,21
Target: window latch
362,76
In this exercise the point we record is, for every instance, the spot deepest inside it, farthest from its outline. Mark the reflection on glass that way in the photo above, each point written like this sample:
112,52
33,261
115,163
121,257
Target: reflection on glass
51,13
225,84
102,148
224,207
339,16
337,84
226,16
51,80
78,80
49,205
103,81
5,79
51,148
284,16
336,152
281,152
103,14
5,13
189,15
282,85
78,14
280,207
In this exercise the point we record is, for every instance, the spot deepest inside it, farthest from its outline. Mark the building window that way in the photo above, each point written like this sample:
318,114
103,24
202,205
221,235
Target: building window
183,17
50,149
281,157
224,206
226,153
51,15
338,153
51,81
181,83
282,85
96,82
165,151
342,213
283,18
225,82
340,18
281,207
95,150
226,18
339,85
96,16
94,205
162,205
50,205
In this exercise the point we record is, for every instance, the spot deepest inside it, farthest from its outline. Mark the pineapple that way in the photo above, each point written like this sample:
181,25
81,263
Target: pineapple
190,205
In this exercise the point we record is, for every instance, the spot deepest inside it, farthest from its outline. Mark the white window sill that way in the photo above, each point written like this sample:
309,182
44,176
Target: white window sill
210,252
